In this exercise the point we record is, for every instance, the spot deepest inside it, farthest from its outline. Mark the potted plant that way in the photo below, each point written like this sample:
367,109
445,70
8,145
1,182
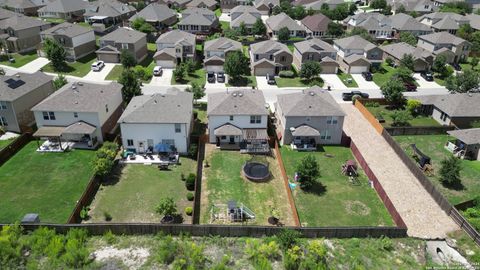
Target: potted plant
167,208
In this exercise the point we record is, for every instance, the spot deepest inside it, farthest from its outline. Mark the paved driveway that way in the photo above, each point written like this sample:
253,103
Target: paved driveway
215,85
164,80
225,17
364,84
333,81
422,83
262,83
99,75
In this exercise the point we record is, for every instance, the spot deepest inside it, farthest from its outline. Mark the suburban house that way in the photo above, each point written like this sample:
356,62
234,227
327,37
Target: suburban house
25,7
111,45
247,15
198,21
77,40
277,22
454,48
216,50
69,10
423,59
227,5
174,47
316,25
269,57
467,143
317,4
356,55
402,22
458,110
417,6
309,118
208,4
104,14
21,34
377,25
444,21
155,119
158,15
238,120
180,4
78,115
315,50
266,6
18,94
474,21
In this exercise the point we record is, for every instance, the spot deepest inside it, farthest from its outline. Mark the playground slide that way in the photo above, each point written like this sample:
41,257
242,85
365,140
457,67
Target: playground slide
247,212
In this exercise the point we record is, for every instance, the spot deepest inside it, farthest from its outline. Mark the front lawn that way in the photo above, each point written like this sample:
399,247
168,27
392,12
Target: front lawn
134,191
45,183
20,59
433,146
347,79
199,76
383,75
224,25
223,181
250,81
218,12
117,70
334,200
79,68
298,82
115,73
382,111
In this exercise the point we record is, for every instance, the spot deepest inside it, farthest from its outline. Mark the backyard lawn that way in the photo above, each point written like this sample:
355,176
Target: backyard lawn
297,82
347,79
80,68
223,181
334,201
20,59
45,183
417,121
433,146
218,12
199,76
134,191
383,75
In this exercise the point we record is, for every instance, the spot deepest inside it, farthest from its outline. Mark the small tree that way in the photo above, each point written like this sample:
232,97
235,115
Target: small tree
408,38
334,29
308,171
463,82
236,64
310,69
378,4
131,85
408,62
283,34
259,28
55,53
166,207
59,81
243,29
400,118
197,90
404,74
450,171
190,66
179,72
127,59
401,9
440,65
474,62
393,92
413,105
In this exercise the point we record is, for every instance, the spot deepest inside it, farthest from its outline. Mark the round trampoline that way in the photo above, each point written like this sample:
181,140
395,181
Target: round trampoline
256,171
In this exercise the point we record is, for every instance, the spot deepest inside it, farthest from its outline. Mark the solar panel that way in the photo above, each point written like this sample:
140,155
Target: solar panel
14,83
9,81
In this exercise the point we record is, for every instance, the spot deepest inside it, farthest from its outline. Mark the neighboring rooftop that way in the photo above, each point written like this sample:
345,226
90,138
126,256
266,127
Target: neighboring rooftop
124,35
404,22
238,102
442,38
19,84
317,22
20,22
64,6
176,37
398,50
67,29
354,43
468,136
109,8
283,20
313,45
155,12
197,16
222,44
455,105
268,46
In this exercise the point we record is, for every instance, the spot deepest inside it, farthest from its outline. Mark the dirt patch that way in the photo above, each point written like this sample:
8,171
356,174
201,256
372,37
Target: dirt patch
132,258
356,208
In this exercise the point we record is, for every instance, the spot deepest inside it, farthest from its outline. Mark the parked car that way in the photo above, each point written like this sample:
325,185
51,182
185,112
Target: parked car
97,66
367,75
157,71
211,77
410,86
347,96
428,76
456,66
220,77
271,79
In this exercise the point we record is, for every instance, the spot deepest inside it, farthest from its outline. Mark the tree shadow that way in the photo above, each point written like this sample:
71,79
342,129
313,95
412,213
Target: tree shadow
240,81
114,177
317,189
458,186
87,58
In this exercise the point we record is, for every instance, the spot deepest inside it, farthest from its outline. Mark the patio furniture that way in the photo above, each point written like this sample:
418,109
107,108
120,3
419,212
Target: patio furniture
163,166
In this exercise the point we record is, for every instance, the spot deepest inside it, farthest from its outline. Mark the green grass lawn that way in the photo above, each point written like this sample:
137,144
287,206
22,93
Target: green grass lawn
134,191
199,76
223,181
297,82
468,64
383,75
224,25
20,59
4,143
334,201
243,81
291,47
152,47
79,68
45,183
245,51
115,73
418,121
218,12
433,146
347,79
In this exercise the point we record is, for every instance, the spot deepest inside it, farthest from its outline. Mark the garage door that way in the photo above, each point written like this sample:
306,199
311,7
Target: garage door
329,69
108,58
166,63
214,68
264,71
358,69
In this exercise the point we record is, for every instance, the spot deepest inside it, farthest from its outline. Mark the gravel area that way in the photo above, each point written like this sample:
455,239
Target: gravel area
422,215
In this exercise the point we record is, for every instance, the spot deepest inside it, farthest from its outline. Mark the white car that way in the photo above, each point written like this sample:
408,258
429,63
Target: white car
97,66
157,71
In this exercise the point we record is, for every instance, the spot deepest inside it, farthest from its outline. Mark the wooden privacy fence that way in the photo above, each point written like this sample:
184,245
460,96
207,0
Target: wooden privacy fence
86,199
370,118
398,131
11,149
198,180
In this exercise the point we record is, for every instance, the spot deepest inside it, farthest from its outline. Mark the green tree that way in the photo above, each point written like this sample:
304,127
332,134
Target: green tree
401,9
450,169
231,33
408,38
283,34
243,29
236,65
180,72
474,62
102,166
55,52
352,9
362,32
475,40
393,90
190,66
298,12
378,4
404,74
413,105
310,69
197,90
408,62
463,82
259,28
141,25
400,118
59,81
166,207
465,31
127,59
308,171
458,7
131,85
387,10
440,65
335,29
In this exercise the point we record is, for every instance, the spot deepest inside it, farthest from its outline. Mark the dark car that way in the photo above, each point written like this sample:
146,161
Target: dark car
270,79
220,77
211,77
428,76
456,66
347,96
367,75
410,87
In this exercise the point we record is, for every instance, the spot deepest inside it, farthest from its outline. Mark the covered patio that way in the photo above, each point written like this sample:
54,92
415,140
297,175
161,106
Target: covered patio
228,137
59,139
304,138
255,141
466,145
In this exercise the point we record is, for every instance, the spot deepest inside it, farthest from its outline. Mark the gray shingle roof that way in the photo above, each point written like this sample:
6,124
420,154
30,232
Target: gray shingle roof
354,43
228,130
20,22
266,3
64,6
155,13
23,4
109,8
32,81
317,22
455,105
442,38
246,17
313,45
268,46
4,13
421,6
238,102
87,97
283,20
197,3
243,9
404,22
222,44
124,35
313,101
67,29
398,50
174,106
305,130
474,20
468,136
176,36
198,16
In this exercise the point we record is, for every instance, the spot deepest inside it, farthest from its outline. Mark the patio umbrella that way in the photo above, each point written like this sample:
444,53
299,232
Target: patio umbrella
163,148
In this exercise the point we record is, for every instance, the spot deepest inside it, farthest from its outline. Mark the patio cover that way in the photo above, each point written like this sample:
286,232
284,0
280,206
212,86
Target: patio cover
227,130
255,134
468,136
97,17
79,128
49,132
305,131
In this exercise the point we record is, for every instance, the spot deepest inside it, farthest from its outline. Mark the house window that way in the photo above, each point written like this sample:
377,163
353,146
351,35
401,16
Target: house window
325,135
48,116
125,46
178,128
223,137
178,50
270,57
129,142
3,121
332,120
168,141
3,105
75,114
256,56
62,41
255,119
283,59
231,117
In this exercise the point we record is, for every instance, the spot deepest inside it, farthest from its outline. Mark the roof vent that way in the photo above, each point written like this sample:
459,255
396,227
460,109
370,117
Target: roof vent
240,94
234,94
17,75
312,94
79,83
76,102
155,101
74,87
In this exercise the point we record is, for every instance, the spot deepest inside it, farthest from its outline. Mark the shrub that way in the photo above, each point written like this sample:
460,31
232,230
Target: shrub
389,61
286,74
84,213
413,105
166,207
450,171
372,104
190,196
190,182
292,258
287,238
188,211
192,150
110,238
107,216
190,256
400,118
167,250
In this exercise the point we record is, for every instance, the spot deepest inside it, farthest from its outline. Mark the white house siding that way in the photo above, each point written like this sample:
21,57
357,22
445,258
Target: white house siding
240,121
156,132
437,115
